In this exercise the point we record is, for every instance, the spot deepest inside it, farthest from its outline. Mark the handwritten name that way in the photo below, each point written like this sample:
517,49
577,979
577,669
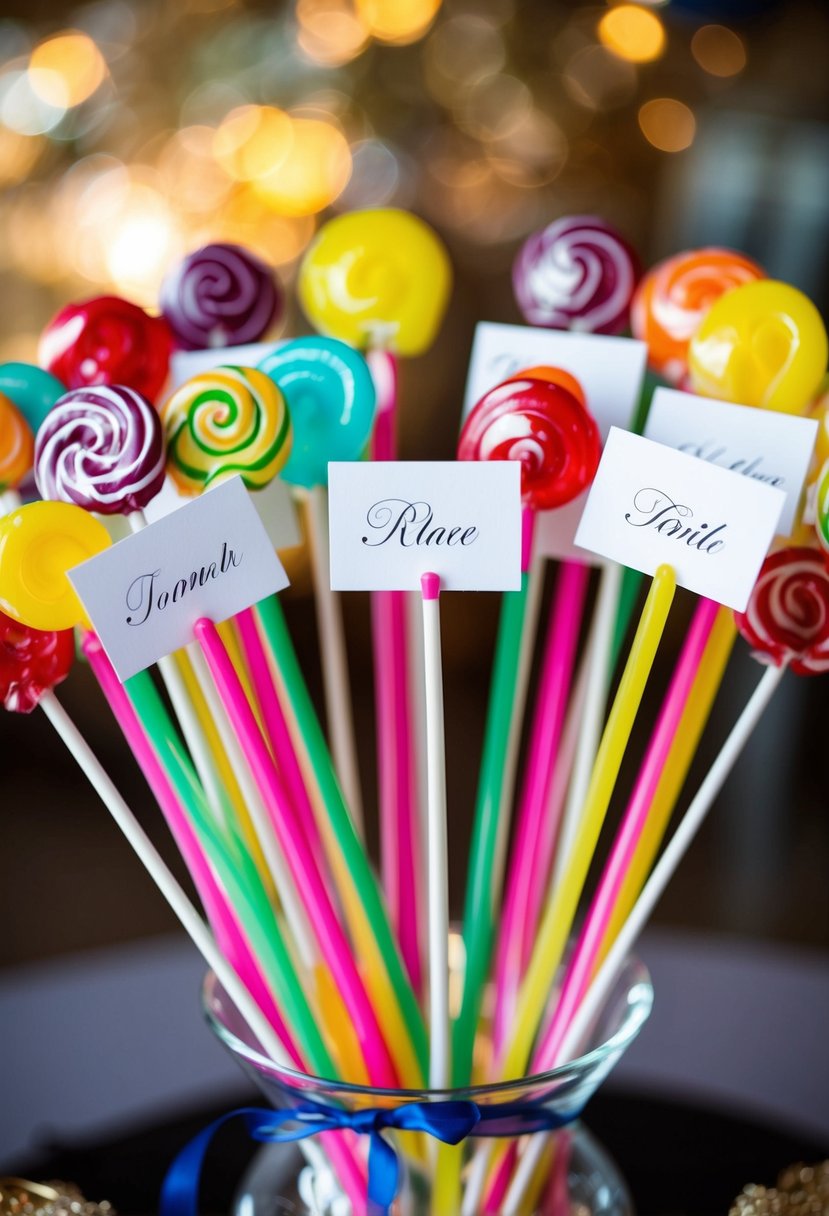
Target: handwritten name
143,596
658,510
719,455
412,524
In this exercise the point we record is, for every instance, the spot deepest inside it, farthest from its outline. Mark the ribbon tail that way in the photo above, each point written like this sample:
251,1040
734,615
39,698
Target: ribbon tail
180,1191
383,1174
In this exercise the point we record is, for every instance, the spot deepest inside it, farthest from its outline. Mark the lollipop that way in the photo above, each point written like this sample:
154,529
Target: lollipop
330,395
32,661
578,273
787,618
763,344
31,389
107,340
38,544
103,449
16,445
675,295
222,422
545,427
376,278
554,375
221,295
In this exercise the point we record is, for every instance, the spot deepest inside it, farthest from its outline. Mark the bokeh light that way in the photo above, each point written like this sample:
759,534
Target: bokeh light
313,169
668,124
331,32
598,80
632,33
252,141
397,21
718,50
67,69
18,155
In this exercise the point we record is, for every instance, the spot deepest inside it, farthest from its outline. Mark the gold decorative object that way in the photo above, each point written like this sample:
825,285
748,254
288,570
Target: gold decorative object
802,1190
20,1197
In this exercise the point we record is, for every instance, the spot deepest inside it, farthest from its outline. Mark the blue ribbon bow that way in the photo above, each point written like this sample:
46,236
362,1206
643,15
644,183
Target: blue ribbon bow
449,1121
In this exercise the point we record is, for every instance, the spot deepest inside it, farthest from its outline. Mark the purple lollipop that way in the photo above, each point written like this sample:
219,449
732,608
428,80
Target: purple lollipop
220,295
101,448
579,274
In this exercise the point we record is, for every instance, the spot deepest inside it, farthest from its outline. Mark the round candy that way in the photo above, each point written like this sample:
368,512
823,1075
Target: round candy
545,427
102,449
17,445
554,375
377,278
32,661
221,295
763,344
32,390
787,618
331,398
38,544
675,295
226,421
578,273
107,340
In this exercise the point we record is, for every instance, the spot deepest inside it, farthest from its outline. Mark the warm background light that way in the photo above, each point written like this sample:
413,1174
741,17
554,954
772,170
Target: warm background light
667,124
397,21
331,32
67,69
718,50
632,33
312,171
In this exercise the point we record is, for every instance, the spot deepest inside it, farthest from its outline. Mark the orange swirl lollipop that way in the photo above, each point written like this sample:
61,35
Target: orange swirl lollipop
675,295
17,445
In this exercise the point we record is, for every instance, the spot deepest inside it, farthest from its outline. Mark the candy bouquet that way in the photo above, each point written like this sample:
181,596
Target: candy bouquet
329,980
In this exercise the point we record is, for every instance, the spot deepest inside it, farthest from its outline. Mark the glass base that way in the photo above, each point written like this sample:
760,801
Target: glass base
279,1182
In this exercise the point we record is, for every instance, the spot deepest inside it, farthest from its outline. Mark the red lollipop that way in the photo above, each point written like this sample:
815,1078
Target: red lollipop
107,340
32,661
787,618
543,425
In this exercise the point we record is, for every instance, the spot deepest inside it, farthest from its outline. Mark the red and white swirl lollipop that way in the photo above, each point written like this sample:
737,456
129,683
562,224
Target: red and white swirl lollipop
101,449
544,426
220,295
787,618
578,273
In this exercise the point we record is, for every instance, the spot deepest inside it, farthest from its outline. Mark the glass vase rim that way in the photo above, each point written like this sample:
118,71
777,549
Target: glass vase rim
636,1014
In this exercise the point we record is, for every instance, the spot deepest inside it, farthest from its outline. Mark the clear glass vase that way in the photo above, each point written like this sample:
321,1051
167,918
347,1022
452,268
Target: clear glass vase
572,1173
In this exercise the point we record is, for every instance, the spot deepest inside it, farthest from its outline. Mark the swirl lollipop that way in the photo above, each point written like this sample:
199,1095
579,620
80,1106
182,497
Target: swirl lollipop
554,375
544,426
221,295
226,421
16,445
674,296
38,544
102,449
787,618
578,273
376,278
764,345
32,662
31,389
107,340
330,396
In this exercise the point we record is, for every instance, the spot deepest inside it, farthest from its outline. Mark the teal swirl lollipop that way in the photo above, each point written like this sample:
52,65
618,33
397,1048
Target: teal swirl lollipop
331,399
31,389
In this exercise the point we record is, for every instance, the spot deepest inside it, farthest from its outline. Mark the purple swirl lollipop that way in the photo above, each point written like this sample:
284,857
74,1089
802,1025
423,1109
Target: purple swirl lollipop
579,274
101,448
220,295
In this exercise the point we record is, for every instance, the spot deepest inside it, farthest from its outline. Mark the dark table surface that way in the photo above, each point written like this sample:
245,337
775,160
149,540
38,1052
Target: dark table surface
677,1159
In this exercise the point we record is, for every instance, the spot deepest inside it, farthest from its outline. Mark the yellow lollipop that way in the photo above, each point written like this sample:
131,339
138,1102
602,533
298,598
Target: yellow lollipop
376,279
763,344
39,543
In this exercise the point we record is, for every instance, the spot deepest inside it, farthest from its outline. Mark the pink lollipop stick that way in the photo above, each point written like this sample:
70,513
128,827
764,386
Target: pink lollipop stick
580,968
400,834
229,935
515,943
333,942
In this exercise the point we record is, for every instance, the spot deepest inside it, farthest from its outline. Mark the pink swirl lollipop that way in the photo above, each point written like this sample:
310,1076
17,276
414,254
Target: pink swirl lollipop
543,425
578,273
221,295
102,449
787,618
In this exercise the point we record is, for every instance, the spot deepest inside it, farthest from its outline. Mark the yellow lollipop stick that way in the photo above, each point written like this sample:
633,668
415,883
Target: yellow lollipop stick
561,908
697,709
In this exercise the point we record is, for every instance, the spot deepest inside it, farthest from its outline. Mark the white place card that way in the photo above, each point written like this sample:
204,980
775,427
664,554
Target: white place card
187,363
652,505
274,504
212,559
763,445
610,370
392,521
